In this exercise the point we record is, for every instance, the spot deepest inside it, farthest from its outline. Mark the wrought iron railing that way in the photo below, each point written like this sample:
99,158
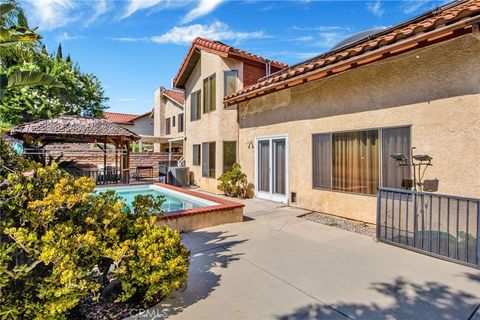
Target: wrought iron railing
440,225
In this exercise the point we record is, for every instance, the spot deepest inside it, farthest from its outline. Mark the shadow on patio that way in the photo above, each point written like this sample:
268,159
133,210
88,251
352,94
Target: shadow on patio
209,250
430,300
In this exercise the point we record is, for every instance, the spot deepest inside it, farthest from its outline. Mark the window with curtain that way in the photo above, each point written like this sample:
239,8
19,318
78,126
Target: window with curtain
346,161
230,82
196,155
229,154
208,159
209,94
195,105
350,161
395,140
180,122
355,164
167,126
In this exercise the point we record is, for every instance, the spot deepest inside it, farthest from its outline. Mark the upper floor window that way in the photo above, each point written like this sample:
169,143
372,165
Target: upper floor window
209,93
173,121
180,122
230,82
196,105
167,126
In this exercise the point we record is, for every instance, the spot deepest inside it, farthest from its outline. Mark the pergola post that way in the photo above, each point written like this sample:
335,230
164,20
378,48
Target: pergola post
104,162
127,165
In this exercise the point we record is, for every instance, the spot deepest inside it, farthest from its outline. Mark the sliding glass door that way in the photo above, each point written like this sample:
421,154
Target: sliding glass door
272,169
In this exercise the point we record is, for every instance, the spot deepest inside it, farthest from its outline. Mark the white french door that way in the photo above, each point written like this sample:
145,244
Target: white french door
271,168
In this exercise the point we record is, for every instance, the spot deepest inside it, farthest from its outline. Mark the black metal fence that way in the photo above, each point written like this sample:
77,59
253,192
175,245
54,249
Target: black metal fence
440,225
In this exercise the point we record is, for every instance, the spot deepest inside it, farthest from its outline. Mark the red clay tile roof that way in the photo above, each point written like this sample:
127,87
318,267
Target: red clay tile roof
175,95
451,20
123,118
223,50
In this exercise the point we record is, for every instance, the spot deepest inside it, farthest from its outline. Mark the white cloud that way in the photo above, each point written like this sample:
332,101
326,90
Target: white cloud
135,5
323,37
203,8
155,5
319,28
215,31
51,14
410,6
101,7
65,36
129,39
127,99
375,8
184,35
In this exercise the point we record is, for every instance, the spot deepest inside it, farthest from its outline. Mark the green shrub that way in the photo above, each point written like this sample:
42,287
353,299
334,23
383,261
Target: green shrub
234,183
59,240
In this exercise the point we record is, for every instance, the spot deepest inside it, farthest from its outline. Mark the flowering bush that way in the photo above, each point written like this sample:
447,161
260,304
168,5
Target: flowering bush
61,242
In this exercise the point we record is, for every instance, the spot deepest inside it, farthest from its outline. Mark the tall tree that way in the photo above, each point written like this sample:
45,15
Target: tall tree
59,53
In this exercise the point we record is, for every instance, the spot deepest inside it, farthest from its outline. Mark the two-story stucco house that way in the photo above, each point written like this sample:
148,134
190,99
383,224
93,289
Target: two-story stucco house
141,124
169,120
210,71
325,133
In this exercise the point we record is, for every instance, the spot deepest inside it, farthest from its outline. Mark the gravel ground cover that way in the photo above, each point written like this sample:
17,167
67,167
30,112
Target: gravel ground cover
345,224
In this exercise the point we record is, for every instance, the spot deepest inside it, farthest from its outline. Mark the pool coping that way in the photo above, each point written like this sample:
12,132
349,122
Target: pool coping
222,203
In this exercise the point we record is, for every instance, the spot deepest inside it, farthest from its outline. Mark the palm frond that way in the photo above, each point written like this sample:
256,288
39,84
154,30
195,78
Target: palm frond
15,34
31,78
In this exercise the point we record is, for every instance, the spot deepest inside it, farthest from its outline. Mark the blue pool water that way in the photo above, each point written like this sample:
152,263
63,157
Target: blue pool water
174,200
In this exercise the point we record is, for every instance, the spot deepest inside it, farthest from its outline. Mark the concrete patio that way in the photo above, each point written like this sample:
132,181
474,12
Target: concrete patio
275,265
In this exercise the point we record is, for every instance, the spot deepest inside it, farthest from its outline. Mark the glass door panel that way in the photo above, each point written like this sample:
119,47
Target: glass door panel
279,166
263,172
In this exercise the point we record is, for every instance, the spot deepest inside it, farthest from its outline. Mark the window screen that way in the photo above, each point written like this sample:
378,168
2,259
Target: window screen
395,140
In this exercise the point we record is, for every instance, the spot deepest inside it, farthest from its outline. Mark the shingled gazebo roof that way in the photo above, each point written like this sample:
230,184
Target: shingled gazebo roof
73,129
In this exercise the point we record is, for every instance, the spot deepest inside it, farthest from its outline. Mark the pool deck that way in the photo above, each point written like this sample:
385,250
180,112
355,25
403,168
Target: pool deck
276,265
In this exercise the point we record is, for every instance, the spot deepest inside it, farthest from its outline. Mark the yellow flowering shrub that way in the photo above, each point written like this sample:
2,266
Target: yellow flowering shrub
61,242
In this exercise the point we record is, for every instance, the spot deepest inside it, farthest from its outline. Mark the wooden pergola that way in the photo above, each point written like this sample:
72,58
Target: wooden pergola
75,129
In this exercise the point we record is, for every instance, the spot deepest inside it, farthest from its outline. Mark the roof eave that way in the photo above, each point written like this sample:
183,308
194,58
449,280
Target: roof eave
368,57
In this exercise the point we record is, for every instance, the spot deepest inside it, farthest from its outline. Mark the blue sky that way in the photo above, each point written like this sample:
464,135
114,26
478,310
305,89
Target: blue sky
136,46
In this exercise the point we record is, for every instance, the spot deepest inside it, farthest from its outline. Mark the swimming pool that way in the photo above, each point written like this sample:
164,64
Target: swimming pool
174,200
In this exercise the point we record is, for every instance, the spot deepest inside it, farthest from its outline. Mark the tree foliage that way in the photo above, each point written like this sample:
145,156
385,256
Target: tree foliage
36,85
62,242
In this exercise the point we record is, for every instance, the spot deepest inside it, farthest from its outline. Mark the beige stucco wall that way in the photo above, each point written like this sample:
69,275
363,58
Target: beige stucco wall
191,222
163,109
219,125
141,126
436,90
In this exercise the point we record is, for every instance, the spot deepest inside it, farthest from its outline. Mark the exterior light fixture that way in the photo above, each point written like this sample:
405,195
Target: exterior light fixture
413,162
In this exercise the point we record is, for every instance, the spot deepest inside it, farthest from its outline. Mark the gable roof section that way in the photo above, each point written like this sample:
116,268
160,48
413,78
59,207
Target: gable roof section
123,118
175,95
449,21
220,49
